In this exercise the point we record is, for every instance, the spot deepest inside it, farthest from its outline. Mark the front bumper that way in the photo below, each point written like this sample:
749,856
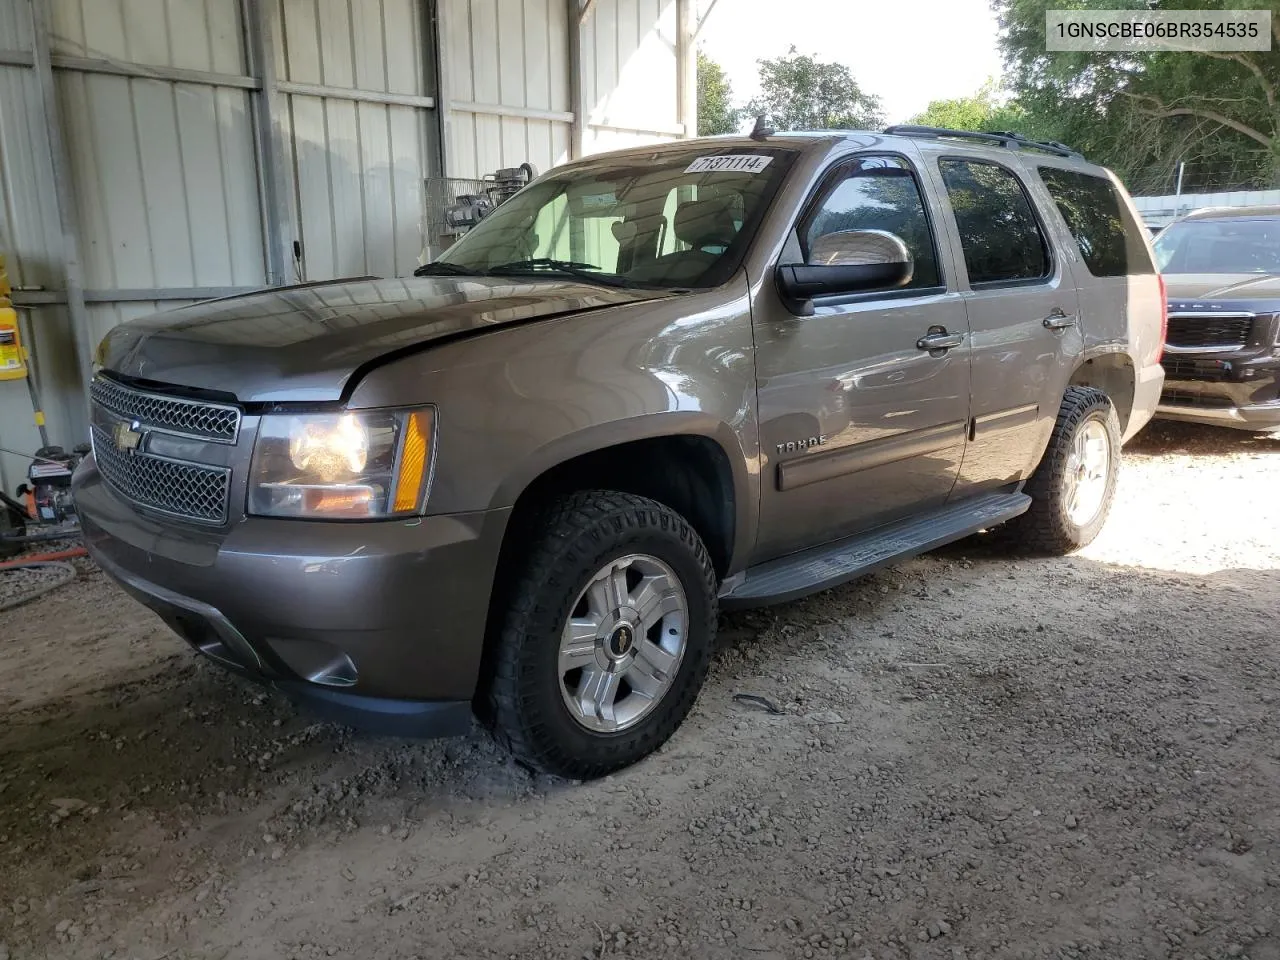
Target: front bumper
1256,417
1241,391
379,624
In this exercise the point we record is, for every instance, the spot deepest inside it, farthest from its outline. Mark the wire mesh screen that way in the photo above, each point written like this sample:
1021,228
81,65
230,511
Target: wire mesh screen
442,194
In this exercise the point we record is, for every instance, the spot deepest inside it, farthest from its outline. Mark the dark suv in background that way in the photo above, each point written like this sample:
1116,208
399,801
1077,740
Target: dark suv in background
1222,358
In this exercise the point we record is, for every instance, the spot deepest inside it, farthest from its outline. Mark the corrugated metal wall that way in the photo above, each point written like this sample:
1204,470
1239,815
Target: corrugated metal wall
31,237
213,146
165,185
357,166
510,101
629,55
526,69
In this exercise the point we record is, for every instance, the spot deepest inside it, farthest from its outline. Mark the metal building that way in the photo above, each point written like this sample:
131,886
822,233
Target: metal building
157,152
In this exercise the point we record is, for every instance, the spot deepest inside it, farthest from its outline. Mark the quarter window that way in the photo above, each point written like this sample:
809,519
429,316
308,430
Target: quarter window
877,193
999,234
1110,240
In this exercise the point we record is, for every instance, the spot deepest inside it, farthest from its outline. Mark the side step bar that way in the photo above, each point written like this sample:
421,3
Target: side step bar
832,564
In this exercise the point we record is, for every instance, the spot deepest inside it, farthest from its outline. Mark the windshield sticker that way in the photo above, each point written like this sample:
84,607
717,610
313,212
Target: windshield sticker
732,163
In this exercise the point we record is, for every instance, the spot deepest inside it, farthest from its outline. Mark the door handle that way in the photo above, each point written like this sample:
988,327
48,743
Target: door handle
1058,321
939,339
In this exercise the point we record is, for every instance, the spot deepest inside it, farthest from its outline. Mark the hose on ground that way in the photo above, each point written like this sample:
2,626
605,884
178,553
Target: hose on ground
43,561
41,537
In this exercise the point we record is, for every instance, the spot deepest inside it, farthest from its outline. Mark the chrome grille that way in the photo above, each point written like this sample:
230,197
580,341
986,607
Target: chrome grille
193,418
192,491
1191,331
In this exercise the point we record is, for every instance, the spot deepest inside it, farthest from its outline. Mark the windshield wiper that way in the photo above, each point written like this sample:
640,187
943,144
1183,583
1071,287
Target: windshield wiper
440,268
572,268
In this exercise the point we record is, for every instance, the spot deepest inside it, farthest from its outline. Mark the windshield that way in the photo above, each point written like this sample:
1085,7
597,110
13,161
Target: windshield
1220,246
667,219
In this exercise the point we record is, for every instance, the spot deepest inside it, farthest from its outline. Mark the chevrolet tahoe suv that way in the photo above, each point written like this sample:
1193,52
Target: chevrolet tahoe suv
653,385
1222,359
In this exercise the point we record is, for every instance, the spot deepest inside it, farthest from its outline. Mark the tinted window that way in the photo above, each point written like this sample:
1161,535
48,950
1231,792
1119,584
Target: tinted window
1225,245
1002,241
877,193
1109,239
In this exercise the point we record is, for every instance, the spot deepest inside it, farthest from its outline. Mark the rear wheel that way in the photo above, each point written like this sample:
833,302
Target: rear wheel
606,638
1072,489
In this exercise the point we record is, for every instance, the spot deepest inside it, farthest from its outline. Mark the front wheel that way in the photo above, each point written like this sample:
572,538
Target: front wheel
1073,488
606,638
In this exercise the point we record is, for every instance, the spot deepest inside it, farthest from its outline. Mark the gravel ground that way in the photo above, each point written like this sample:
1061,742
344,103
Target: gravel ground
975,757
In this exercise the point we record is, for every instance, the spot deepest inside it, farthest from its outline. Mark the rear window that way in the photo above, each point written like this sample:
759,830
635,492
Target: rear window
1110,240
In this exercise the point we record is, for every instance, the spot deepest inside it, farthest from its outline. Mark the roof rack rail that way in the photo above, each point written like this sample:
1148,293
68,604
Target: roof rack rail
1005,138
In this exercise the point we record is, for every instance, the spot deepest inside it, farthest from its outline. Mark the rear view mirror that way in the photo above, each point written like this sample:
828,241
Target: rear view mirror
848,261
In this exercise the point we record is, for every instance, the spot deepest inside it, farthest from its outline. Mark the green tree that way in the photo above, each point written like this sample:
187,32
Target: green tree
799,92
1143,113
983,110
716,112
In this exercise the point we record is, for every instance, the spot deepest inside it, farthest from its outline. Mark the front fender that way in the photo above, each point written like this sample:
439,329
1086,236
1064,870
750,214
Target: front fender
517,402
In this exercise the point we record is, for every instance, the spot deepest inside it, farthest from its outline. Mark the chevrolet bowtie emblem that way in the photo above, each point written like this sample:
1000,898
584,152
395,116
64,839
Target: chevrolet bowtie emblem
127,436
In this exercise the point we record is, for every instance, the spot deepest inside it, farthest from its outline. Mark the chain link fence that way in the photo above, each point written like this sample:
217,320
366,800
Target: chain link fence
1205,176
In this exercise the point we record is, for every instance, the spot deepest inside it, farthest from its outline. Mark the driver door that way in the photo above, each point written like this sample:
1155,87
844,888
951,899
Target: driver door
860,422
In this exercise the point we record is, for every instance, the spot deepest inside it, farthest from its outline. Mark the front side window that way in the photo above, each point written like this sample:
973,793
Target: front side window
672,218
1220,245
877,193
1110,240
999,234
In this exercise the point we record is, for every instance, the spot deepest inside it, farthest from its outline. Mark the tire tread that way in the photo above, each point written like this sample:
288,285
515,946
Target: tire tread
566,529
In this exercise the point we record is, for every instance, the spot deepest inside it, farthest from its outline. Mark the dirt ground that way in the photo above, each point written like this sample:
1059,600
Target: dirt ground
976,757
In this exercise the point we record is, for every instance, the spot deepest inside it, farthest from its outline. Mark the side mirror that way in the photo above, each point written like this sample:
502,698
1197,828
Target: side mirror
848,261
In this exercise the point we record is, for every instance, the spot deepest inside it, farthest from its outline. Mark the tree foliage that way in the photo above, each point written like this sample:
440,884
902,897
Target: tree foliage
800,92
1144,113
984,110
716,112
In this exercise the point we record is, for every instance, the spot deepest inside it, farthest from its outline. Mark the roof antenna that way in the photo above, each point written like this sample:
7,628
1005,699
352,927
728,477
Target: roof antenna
761,131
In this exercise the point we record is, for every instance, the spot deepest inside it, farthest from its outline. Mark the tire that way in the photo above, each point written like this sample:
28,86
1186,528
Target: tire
1051,526
534,706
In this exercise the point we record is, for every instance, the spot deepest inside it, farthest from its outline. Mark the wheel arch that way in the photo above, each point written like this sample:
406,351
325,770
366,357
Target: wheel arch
1113,372
690,446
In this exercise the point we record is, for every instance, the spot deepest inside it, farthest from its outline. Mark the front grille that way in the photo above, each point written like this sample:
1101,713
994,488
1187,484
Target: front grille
1189,368
1186,398
193,418
1189,330
189,490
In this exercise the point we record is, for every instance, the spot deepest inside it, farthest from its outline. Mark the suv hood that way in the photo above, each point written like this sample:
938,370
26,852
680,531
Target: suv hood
1222,286
305,343
1257,293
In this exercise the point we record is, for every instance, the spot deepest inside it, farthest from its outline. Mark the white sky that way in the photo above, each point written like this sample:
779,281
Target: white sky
907,52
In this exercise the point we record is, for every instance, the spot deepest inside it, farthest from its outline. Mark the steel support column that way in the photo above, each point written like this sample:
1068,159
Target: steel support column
274,192
687,67
577,90
64,198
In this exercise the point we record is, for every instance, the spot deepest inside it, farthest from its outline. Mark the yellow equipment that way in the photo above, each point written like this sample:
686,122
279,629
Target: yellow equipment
13,358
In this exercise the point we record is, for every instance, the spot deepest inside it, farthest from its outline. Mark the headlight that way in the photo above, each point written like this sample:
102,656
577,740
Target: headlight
343,466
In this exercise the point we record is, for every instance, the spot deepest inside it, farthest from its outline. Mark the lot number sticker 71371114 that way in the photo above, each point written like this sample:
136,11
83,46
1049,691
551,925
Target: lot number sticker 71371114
732,163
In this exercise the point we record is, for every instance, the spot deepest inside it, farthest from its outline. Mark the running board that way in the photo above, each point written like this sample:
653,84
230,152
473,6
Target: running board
832,564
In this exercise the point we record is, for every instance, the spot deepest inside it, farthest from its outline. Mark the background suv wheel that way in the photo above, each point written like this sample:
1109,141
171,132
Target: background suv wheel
1072,489
606,637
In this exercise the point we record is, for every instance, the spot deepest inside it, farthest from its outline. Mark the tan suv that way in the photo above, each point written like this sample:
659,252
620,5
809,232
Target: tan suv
653,385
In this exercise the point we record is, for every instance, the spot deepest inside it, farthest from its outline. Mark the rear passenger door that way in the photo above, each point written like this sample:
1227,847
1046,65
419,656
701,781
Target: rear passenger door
1023,322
